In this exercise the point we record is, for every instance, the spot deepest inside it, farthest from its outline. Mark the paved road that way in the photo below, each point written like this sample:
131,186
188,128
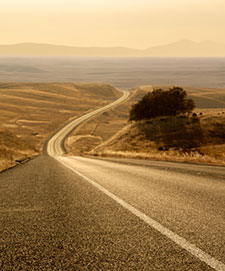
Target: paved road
189,200
76,213
54,219
55,145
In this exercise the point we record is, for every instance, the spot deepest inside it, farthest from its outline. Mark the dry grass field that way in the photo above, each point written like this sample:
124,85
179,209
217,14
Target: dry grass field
94,132
111,135
173,139
31,112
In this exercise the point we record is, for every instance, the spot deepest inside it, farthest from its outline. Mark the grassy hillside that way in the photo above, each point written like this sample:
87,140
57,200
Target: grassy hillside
181,139
31,112
95,131
177,138
204,97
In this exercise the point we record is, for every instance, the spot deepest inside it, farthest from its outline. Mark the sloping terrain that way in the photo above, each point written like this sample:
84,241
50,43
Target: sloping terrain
204,97
31,112
180,138
99,129
179,48
196,139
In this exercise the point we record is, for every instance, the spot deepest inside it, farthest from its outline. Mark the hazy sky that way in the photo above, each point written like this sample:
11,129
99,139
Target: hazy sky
130,23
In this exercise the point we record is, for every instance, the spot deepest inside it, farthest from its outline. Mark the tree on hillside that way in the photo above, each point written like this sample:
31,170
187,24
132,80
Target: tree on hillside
159,103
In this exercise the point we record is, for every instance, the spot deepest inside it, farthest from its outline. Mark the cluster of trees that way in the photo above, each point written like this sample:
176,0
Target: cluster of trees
160,103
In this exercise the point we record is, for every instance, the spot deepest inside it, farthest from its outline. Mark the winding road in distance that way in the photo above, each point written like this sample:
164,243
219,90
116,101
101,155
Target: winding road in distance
56,143
61,212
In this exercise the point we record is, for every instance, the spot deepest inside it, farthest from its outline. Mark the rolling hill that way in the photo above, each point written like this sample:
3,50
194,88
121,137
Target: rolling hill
183,48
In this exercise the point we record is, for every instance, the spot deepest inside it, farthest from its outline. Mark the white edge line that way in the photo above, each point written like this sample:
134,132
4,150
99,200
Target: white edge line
183,243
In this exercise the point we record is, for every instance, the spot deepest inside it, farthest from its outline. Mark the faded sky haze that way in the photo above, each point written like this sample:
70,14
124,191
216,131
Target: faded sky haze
129,23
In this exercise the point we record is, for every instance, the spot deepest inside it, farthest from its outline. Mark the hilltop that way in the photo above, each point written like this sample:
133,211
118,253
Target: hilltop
183,48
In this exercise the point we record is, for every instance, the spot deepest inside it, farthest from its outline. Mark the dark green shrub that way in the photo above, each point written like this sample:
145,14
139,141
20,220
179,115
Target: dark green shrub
160,103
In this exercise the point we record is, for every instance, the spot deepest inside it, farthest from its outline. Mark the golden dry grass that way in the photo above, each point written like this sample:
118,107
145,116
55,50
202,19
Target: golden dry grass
190,157
99,129
13,150
170,139
121,139
31,112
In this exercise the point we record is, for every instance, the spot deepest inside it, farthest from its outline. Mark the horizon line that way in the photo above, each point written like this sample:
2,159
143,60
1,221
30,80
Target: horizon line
108,47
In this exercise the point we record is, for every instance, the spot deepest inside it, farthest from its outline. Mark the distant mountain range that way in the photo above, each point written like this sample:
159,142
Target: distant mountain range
183,48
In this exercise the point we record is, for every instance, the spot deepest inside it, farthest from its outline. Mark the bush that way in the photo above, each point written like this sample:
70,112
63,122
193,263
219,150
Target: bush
160,103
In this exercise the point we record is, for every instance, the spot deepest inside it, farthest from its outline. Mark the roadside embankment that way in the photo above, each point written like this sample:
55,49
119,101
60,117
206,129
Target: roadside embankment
185,139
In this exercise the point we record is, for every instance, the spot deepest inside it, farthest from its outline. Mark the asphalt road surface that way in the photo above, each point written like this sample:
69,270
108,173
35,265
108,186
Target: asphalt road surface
55,145
77,213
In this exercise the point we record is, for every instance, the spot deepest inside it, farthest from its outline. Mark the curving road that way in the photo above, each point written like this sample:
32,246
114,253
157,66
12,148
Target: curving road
55,145
78,213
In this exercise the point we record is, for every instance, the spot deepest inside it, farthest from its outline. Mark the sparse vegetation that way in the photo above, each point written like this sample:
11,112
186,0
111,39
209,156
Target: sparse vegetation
94,132
171,155
165,139
198,137
14,150
31,112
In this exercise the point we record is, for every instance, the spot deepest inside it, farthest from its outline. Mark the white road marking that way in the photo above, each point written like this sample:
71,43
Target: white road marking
197,252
